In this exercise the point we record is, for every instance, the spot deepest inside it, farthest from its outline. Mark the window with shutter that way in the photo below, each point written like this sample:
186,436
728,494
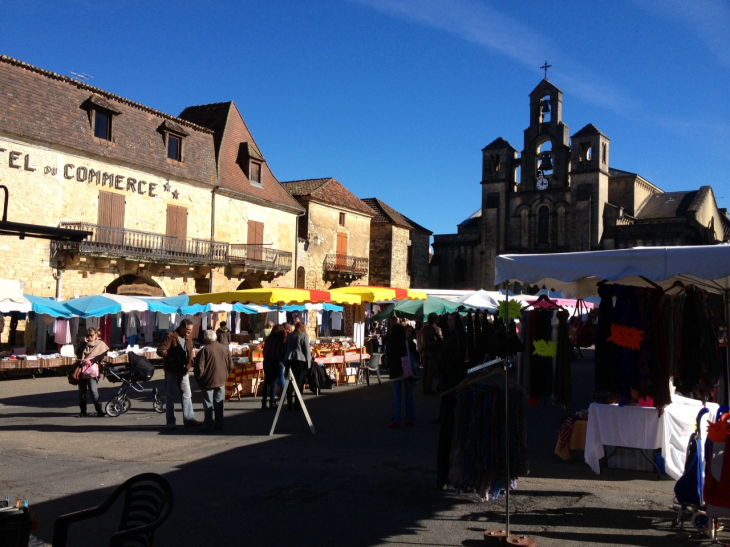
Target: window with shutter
177,227
111,218
341,250
255,240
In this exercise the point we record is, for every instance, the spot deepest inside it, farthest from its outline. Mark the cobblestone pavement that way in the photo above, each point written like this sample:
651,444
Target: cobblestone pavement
353,483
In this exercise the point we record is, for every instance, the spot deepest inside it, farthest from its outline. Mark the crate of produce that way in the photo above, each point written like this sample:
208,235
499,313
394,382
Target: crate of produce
9,364
51,362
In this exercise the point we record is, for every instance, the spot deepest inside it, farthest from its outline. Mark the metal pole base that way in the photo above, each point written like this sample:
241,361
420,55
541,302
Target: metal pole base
290,379
500,537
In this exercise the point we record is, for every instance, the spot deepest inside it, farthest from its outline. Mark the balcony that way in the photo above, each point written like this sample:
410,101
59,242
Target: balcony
136,245
257,257
345,266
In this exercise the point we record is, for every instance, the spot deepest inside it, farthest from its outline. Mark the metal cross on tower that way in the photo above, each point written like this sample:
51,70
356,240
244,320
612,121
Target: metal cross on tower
545,67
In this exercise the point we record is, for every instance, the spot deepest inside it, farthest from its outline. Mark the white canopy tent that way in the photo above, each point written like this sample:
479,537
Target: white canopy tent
578,273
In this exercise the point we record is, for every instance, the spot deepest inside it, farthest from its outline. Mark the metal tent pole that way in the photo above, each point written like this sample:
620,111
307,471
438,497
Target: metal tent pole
506,418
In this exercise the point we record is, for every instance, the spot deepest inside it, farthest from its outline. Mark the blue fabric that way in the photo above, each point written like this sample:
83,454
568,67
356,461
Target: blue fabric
92,306
47,306
159,304
279,380
410,406
182,305
174,384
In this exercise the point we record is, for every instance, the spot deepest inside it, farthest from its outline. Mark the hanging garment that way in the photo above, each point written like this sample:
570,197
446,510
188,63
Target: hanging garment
563,379
238,323
41,335
336,318
74,327
541,365
478,460
149,326
304,316
163,321
93,322
204,319
605,369
131,324
478,340
29,333
471,350
698,362
63,333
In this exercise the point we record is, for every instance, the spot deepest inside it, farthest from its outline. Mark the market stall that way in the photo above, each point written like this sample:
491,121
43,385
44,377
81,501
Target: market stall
645,335
278,296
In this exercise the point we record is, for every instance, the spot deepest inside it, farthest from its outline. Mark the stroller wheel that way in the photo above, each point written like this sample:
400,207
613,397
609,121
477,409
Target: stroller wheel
159,404
126,405
113,408
701,521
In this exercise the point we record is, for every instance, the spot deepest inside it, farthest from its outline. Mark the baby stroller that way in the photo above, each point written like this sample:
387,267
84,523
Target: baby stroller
140,370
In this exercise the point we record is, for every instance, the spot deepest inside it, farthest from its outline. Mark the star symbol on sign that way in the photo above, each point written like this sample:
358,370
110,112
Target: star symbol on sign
175,194
167,187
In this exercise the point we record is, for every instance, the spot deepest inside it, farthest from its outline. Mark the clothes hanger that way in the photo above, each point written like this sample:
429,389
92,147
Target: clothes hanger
466,382
675,285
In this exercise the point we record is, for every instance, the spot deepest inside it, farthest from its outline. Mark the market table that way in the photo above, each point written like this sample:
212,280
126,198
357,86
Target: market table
331,363
643,428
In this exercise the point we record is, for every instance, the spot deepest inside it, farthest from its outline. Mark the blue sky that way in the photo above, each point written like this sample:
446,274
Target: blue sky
396,98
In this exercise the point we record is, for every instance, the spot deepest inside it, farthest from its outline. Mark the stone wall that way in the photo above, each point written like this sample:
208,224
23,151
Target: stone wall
50,184
399,274
323,221
381,242
420,247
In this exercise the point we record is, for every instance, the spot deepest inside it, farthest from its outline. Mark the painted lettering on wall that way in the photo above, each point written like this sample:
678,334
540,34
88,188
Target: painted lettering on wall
81,173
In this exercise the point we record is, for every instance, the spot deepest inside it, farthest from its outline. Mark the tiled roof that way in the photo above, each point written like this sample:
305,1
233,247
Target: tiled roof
232,138
384,214
43,106
327,190
498,143
667,205
589,129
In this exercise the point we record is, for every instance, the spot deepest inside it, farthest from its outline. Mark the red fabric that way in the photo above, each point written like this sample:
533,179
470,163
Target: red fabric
319,296
401,294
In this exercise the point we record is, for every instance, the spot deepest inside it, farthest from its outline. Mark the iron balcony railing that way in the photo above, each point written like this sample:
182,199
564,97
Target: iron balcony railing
138,245
346,264
106,241
258,257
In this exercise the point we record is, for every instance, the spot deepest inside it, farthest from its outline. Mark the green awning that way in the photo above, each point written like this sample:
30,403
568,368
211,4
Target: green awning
418,310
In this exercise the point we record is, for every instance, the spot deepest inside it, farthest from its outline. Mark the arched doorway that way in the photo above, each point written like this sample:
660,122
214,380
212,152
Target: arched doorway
135,285
247,284
301,278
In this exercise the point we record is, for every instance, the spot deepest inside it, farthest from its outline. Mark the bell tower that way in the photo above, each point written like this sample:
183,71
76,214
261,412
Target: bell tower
546,149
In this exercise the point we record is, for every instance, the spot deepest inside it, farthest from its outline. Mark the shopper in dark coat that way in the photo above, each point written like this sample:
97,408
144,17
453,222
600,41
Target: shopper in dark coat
176,351
397,348
223,334
212,365
274,364
453,371
297,358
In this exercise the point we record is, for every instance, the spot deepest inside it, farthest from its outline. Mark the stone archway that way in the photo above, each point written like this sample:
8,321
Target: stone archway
245,284
135,285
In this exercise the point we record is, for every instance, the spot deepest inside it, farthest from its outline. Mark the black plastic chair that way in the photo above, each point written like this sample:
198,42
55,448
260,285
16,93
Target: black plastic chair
373,365
147,504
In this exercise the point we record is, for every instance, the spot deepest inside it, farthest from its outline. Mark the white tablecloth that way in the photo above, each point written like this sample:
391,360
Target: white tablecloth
641,427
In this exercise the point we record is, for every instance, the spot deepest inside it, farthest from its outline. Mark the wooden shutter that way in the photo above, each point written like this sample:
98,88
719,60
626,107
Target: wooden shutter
111,209
255,240
177,226
341,250
111,218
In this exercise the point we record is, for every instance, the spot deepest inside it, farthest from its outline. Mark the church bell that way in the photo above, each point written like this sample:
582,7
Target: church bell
545,163
545,107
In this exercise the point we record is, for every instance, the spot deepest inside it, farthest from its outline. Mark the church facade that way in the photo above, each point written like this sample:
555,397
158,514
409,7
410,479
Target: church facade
567,199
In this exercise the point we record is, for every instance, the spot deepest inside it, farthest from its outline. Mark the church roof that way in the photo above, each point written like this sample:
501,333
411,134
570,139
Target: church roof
545,85
620,173
384,214
327,190
588,130
672,204
498,143
472,223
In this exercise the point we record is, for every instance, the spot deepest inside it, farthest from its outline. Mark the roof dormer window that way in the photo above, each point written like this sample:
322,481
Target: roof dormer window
101,117
251,163
174,137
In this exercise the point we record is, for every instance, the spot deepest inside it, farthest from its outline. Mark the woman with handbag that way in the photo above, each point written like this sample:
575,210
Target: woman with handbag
402,359
90,353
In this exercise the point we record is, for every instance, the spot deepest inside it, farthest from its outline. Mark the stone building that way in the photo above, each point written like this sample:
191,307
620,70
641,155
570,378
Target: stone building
566,198
399,248
175,204
334,234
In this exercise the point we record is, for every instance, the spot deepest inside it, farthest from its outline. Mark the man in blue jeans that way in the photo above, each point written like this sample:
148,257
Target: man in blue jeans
177,352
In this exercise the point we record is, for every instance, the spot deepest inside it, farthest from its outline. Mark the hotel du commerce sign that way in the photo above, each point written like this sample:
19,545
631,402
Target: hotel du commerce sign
13,158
